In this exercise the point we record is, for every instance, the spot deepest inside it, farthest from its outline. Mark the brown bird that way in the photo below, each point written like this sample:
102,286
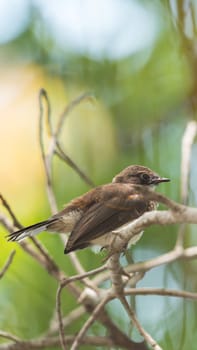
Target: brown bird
92,217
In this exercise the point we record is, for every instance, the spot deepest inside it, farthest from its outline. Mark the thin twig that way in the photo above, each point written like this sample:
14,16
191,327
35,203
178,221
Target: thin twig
49,260
149,339
47,264
47,158
83,275
88,323
9,336
59,315
187,142
44,258
58,299
6,223
167,258
118,290
7,264
16,222
68,110
63,156
55,147
54,135
193,18
161,291
51,342
44,96
71,317
76,263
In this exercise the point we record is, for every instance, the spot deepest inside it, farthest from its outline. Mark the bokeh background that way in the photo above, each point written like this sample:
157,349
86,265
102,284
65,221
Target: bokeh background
139,61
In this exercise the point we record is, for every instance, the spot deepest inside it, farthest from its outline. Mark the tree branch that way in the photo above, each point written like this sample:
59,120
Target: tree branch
7,264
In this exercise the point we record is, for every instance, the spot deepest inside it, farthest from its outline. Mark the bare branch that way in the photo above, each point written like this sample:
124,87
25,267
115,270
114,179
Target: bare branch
54,145
60,320
71,317
6,223
43,96
167,258
118,290
63,156
193,17
47,262
47,157
137,324
9,336
83,275
7,264
85,96
174,255
44,259
184,215
88,323
58,299
55,148
51,265
187,142
51,342
16,223
162,292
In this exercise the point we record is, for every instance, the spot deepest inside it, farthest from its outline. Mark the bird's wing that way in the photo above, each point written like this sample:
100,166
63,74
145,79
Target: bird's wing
105,216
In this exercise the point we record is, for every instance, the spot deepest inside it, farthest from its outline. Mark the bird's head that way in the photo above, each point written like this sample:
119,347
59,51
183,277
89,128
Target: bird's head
139,175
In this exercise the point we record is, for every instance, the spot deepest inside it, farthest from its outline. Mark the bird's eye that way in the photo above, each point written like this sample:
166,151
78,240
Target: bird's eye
145,177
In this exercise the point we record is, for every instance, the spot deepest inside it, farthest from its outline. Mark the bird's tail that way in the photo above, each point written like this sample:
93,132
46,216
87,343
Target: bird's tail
30,230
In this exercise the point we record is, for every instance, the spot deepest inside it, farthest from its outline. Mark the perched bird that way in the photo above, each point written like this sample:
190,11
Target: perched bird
92,217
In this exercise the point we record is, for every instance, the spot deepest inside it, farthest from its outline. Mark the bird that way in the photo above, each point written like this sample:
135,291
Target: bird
92,218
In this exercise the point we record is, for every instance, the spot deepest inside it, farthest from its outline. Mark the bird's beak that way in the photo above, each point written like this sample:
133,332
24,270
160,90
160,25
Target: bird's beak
158,180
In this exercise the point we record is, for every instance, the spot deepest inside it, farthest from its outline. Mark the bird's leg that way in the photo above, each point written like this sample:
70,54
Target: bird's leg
117,247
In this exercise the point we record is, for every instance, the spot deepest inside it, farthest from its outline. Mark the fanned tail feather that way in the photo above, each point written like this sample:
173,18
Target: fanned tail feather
29,231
